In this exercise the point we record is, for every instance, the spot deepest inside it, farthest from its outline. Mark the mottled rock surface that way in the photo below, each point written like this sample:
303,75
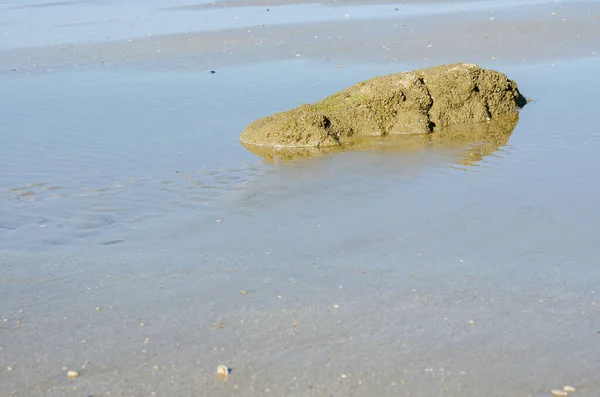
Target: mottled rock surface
419,102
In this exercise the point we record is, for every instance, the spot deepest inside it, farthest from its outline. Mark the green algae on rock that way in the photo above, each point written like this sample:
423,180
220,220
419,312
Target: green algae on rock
420,102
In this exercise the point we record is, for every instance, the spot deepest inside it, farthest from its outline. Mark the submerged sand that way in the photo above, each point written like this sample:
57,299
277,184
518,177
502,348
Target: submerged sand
138,250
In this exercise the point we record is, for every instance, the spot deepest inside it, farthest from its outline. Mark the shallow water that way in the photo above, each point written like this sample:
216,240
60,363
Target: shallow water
100,150
88,155
383,259
131,218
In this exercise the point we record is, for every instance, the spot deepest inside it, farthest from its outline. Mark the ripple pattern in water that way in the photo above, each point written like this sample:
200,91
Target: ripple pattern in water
73,212
87,156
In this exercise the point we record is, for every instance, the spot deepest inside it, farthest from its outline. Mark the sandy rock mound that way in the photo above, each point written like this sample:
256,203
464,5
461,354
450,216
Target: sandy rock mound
419,102
470,143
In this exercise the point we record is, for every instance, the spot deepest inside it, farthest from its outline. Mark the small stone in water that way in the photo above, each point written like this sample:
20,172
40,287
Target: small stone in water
559,393
72,374
223,371
569,389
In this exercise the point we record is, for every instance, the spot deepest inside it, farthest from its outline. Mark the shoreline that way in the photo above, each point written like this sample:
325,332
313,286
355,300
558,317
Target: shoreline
556,31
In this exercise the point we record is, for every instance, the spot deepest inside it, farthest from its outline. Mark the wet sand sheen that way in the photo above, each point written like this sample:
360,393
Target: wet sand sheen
496,35
432,270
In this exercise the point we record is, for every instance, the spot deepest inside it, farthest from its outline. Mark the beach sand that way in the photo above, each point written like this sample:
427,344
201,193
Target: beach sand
142,245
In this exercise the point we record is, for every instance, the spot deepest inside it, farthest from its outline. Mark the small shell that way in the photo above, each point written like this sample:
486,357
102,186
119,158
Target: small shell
223,371
72,374
559,393
569,389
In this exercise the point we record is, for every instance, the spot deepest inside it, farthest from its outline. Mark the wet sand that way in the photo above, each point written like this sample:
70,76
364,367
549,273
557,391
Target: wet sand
142,246
490,33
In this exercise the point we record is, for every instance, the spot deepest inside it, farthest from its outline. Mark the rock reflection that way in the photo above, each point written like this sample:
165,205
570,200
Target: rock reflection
473,142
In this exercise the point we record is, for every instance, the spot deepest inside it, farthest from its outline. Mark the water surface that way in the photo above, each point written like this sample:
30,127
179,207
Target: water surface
131,219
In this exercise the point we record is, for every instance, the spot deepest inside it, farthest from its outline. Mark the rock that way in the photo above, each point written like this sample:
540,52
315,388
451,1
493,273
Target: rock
421,102
471,142
223,371
72,374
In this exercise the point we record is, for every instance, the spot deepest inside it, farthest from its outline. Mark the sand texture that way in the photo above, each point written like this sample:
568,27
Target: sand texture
145,252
